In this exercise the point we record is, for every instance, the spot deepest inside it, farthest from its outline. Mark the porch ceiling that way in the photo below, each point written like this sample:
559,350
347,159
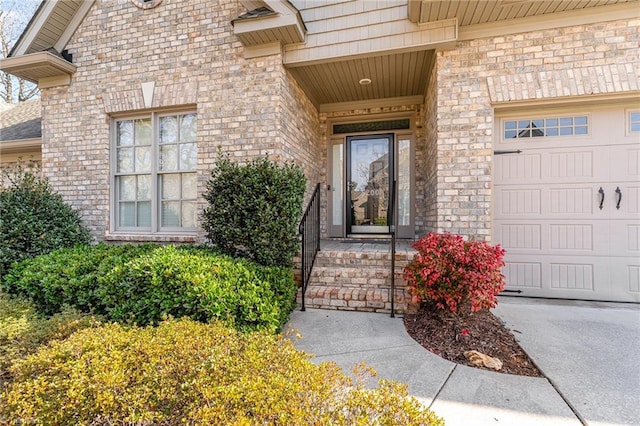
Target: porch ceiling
472,12
392,76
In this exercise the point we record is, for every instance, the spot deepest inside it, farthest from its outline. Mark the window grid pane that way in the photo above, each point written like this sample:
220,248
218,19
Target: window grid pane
176,154
545,127
634,121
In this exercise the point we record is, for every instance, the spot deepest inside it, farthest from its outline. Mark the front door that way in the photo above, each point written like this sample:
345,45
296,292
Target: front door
368,185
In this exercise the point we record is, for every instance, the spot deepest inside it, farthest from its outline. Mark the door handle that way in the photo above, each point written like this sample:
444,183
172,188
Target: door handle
619,192
601,192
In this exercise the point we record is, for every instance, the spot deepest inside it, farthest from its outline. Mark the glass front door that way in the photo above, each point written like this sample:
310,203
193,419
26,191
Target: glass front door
368,184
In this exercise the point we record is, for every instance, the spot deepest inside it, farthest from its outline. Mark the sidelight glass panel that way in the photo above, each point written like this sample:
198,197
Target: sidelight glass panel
404,182
337,184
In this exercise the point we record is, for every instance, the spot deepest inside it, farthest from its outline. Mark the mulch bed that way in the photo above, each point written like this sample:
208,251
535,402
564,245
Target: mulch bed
448,336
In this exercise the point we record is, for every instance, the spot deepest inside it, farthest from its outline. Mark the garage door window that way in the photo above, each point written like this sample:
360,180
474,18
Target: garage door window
634,122
546,127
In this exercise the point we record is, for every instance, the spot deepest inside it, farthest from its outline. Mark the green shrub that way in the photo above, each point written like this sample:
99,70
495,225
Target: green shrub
23,329
34,219
144,283
253,210
69,276
183,372
199,284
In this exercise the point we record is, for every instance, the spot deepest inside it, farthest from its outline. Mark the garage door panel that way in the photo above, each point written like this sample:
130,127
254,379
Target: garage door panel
550,201
571,165
577,201
574,277
519,168
534,166
567,208
626,161
554,237
625,279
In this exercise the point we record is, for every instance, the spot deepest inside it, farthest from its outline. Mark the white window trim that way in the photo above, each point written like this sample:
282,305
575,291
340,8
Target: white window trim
155,230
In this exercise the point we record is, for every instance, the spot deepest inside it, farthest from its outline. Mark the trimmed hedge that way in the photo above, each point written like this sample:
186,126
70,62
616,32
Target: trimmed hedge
254,209
184,372
70,276
143,284
196,283
33,218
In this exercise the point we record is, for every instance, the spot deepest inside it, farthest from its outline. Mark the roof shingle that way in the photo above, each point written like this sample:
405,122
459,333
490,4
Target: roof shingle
21,121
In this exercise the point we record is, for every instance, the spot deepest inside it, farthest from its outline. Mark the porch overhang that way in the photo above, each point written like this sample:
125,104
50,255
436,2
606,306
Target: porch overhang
42,68
269,21
384,80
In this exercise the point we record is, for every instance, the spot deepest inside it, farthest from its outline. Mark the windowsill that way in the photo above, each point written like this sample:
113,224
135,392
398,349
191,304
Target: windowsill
151,238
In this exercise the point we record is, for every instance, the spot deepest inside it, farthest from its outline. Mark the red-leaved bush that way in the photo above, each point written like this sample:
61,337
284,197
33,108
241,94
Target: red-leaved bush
454,273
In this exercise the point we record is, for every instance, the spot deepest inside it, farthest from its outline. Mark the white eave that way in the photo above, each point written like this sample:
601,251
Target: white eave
43,68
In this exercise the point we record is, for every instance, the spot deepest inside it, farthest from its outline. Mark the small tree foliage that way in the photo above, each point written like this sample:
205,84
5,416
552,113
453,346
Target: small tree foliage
455,274
253,210
33,218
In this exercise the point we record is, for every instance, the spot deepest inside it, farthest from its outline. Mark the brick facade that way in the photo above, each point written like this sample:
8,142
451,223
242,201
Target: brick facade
249,107
188,52
602,58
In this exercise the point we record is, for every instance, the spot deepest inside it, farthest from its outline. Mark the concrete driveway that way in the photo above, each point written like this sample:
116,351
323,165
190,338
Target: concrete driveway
589,351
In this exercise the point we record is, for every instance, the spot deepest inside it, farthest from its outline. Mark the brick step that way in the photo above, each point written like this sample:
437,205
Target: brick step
355,276
356,299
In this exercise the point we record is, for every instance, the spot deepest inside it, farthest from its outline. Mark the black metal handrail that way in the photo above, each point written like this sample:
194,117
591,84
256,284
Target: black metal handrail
309,228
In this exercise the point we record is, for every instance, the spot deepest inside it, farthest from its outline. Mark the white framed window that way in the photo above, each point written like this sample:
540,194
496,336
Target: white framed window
634,122
524,128
154,174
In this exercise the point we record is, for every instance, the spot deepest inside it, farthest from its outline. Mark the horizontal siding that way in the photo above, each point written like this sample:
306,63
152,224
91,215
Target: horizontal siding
349,28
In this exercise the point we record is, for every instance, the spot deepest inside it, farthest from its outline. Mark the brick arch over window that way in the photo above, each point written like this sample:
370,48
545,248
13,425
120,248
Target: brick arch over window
150,95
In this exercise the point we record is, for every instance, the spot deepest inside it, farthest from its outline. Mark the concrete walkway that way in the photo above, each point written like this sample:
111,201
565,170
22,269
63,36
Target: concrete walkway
471,396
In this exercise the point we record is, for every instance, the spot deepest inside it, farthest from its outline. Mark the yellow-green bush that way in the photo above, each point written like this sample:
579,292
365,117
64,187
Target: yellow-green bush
23,330
184,372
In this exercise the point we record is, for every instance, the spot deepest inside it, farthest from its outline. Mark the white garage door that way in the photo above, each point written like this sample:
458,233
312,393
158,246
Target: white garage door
567,207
